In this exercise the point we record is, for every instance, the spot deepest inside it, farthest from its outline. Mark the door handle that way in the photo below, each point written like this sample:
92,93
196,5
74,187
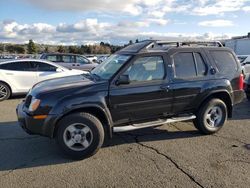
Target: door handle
9,73
166,88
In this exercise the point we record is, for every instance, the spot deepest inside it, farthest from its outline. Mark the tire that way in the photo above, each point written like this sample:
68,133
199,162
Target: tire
248,98
211,116
5,91
84,131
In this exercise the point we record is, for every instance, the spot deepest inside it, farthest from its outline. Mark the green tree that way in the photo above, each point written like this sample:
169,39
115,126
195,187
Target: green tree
46,49
74,49
61,49
32,48
130,42
137,41
19,49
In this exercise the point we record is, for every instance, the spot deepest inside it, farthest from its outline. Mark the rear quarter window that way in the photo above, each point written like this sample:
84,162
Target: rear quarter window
225,61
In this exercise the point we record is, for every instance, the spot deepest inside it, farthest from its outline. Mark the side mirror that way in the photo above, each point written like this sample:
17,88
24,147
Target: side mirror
59,70
123,79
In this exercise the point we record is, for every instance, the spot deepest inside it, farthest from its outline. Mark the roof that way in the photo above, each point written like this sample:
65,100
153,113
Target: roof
154,45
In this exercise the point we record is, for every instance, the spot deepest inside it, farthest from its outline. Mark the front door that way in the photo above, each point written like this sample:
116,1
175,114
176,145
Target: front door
147,96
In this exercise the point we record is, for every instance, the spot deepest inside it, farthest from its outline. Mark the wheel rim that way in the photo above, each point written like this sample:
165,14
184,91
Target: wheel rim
3,91
78,137
214,116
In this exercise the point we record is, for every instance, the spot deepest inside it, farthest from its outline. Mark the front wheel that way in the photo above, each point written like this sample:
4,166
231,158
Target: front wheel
211,116
80,135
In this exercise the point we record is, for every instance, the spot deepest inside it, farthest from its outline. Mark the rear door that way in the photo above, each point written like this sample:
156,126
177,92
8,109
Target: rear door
68,61
83,63
147,96
189,76
46,71
21,75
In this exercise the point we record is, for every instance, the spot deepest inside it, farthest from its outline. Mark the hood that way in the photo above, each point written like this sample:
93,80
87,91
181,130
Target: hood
58,84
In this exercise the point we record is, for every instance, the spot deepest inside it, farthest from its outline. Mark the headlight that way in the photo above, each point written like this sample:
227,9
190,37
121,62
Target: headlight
34,104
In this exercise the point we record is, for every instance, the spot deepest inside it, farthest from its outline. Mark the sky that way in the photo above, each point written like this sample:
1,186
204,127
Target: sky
76,22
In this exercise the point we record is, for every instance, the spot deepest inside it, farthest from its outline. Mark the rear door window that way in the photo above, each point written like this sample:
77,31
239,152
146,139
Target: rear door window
225,61
43,67
189,65
68,59
184,65
52,58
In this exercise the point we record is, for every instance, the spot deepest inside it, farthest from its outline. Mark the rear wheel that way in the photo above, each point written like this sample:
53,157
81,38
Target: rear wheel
4,91
211,116
80,135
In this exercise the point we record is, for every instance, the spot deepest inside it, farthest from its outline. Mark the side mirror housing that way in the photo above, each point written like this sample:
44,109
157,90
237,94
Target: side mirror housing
123,80
59,70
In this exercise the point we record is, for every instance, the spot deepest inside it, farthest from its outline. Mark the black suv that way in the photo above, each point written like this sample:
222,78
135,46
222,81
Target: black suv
146,84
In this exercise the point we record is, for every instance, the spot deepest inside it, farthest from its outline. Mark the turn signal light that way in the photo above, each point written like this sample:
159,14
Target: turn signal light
40,117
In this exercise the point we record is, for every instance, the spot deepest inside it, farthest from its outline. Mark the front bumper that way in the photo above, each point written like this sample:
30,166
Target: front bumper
44,127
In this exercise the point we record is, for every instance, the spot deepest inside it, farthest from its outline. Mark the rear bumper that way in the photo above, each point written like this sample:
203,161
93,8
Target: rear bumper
35,126
239,96
247,90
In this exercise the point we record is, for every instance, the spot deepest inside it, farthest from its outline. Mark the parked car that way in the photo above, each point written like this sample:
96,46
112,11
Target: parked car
72,61
18,76
92,58
245,63
146,84
102,58
247,86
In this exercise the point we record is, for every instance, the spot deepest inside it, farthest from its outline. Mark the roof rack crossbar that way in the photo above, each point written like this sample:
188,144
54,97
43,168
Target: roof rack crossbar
178,44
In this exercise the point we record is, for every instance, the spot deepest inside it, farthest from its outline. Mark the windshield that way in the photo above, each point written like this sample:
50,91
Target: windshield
109,67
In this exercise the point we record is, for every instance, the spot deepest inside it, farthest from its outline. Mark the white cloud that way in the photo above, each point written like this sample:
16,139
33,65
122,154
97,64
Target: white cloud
158,21
246,8
216,23
89,31
218,7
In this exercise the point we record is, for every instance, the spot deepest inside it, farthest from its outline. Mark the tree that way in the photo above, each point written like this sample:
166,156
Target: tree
130,42
46,49
32,48
74,49
61,49
137,41
19,49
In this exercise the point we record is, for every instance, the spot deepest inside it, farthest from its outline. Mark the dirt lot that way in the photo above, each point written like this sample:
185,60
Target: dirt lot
173,155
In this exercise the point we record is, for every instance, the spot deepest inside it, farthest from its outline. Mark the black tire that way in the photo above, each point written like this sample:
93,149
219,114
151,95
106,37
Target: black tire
248,98
203,124
96,129
5,91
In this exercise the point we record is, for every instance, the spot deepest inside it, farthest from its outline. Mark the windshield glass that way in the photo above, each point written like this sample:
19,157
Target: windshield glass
109,67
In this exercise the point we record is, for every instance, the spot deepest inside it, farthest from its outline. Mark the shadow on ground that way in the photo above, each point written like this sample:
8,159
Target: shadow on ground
19,150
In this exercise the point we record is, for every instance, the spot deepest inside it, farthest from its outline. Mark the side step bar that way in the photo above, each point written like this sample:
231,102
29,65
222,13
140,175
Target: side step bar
151,124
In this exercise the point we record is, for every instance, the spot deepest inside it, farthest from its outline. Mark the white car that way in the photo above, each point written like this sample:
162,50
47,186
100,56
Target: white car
18,76
245,63
91,58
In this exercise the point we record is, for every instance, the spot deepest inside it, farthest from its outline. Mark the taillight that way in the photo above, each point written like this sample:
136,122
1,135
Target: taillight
241,82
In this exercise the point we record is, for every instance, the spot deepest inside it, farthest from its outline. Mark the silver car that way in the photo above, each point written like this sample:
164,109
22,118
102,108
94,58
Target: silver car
72,61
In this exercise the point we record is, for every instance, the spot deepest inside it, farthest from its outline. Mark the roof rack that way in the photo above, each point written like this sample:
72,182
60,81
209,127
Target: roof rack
165,45
190,43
